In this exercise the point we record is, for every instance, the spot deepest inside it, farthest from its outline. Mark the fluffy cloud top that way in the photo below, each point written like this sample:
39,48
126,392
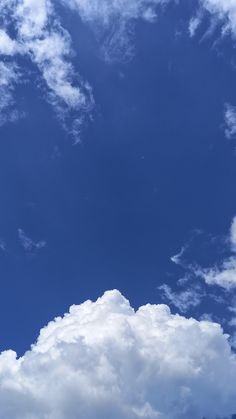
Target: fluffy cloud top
104,360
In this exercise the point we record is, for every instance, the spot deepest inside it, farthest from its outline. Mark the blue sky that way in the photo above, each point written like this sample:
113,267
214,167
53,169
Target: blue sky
117,171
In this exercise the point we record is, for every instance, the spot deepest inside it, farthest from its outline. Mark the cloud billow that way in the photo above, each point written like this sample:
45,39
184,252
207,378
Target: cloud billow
104,360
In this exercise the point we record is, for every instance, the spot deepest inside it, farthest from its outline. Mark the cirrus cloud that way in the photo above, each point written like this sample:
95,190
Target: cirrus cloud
40,36
224,10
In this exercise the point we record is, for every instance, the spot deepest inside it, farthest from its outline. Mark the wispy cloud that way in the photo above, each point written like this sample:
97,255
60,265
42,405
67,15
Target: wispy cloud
177,259
222,274
9,77
8,46
221,13
113,22
195,22
40,36
3,246
230,121
28,244
183,300
225,10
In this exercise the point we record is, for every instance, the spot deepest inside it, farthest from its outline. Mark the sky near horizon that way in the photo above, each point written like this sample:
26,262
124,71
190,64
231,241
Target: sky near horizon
118,208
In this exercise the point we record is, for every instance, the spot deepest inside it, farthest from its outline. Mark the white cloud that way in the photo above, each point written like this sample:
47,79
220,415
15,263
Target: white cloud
48,53
233,234
224,10
40,35
195,22
9,77
223,15
105,360
230,121
49,46
33,17
177,259
184,300
28,244
224,276
115,19
8,46
106,10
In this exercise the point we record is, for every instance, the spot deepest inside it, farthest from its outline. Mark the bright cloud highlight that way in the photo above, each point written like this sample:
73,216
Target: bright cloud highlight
104,360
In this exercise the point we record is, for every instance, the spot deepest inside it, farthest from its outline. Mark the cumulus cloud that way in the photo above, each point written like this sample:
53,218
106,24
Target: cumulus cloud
104,360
